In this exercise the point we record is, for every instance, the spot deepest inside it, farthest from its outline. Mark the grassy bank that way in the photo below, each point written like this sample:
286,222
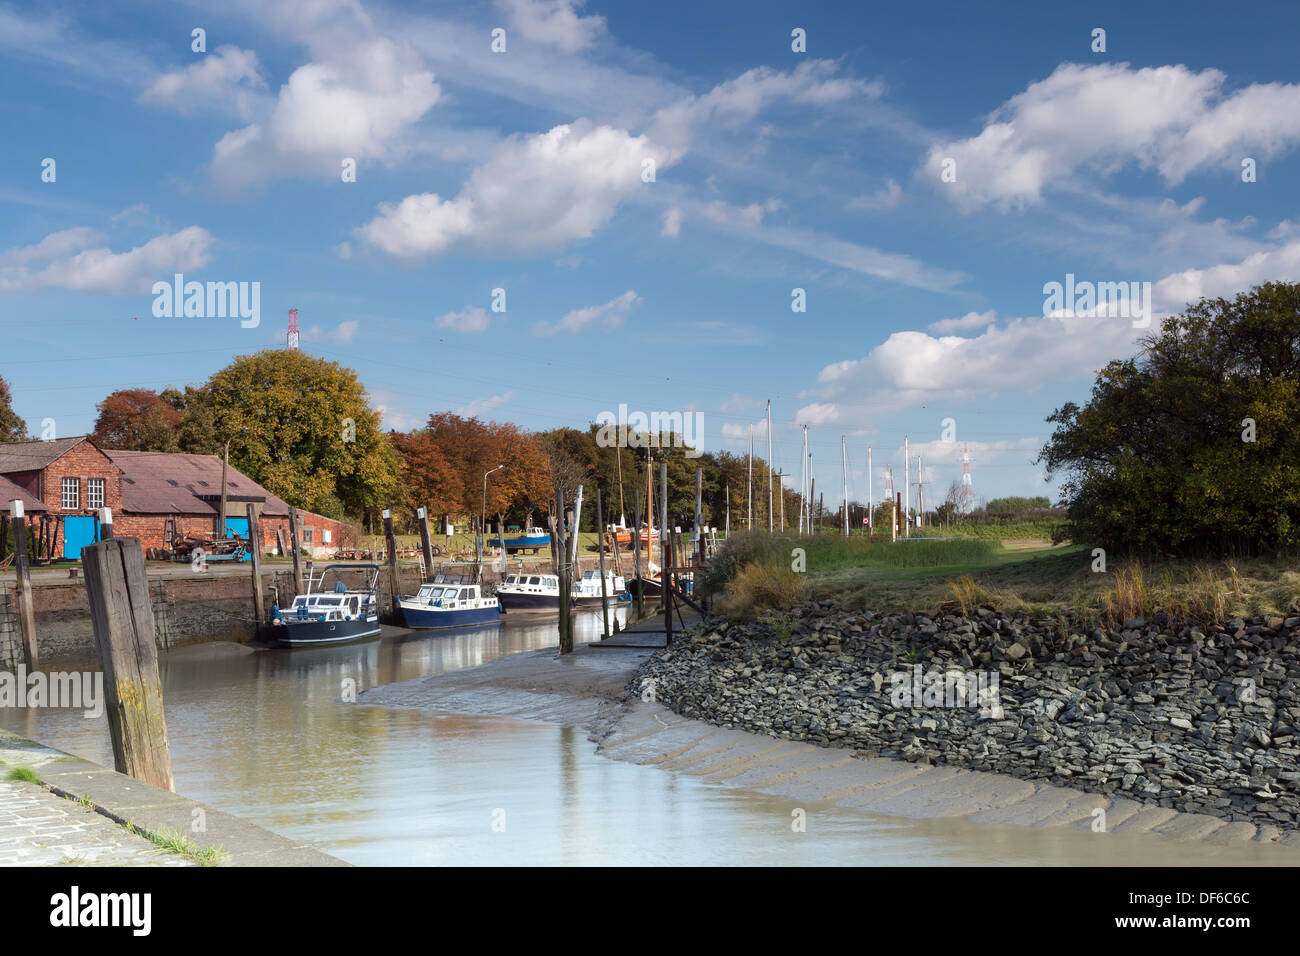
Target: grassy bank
755,573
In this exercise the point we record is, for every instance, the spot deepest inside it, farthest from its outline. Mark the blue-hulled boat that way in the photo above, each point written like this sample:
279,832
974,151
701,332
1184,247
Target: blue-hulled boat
533,540
330,614
449,604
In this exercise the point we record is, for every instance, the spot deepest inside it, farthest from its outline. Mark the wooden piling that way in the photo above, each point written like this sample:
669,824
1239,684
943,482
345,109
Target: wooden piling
121,614
293,548
105,523
426,545
636,557
255,558
26,613
666,583
390,543
600,550
562,550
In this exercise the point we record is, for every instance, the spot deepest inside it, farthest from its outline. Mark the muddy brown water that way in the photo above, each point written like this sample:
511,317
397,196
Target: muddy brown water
265,735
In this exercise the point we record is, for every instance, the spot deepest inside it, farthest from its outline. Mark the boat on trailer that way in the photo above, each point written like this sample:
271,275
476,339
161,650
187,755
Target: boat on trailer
331,611
449,601
534,539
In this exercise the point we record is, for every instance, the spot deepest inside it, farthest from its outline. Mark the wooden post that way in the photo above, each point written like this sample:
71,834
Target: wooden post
121,614
666,582
663,514
221,515
636,557
390,543
26,613
562,555
293,548
600,549
255,557
555,561
426,546
699,503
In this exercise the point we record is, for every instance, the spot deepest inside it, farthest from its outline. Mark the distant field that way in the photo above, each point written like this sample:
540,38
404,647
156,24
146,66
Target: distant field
1027,575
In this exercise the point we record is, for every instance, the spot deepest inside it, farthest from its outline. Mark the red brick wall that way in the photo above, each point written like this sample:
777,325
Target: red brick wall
82,461
149,529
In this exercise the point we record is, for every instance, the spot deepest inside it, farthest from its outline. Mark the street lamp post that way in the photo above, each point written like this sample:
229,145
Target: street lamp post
483,516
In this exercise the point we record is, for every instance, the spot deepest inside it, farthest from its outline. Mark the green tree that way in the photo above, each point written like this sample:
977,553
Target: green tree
1192,446
12,427
302,427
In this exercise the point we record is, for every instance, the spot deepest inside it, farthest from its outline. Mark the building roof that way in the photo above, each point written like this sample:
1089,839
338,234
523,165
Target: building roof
34,455
9,491
162,483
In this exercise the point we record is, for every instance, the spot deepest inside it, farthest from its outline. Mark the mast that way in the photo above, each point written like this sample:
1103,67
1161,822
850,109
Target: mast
871,500
749,482
622,515
844,472
907,490
769,466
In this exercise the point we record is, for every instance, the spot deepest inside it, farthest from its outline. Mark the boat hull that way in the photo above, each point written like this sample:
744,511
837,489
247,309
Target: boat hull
319,633
528,602
430,618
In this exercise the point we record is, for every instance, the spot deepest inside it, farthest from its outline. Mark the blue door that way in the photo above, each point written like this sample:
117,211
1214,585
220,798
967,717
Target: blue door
79,531
237,528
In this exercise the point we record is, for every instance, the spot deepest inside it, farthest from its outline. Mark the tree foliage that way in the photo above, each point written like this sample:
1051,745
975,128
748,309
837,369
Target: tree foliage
137,419
1192,446
303,428
12,427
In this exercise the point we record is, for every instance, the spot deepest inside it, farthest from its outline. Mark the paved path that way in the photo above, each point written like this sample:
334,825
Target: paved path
39,828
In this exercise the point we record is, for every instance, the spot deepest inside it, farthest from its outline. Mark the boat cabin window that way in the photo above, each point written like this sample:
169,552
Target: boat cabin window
465,594
534,580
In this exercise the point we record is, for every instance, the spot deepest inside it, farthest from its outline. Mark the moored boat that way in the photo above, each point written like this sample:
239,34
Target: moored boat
529,592
447,603
587,591
330,611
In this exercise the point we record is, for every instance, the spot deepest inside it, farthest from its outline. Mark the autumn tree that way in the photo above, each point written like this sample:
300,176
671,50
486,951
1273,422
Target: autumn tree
136,419
304,428
12,427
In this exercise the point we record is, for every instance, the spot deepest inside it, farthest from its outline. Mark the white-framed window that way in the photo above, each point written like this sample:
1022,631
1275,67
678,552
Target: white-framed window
95,492
325,536
71,493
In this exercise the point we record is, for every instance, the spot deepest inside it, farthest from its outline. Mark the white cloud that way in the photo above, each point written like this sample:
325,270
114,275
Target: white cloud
484,406
534,194
554,23
345,332
1022,355
971,320
887,197
63,260
739,100
610,315
1281,264
818,413
228,78
672,227
470,320
1104,117
358,106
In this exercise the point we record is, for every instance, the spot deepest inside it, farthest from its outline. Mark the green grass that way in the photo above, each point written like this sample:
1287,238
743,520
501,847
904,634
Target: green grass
25,774
176,842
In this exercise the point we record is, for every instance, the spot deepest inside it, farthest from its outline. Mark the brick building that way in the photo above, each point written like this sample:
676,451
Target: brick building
154,496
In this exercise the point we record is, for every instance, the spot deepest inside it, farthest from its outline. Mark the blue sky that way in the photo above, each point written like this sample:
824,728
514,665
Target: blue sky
524,171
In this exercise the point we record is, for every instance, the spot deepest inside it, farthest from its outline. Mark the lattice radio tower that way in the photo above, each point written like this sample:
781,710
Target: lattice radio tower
291,338
967,489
